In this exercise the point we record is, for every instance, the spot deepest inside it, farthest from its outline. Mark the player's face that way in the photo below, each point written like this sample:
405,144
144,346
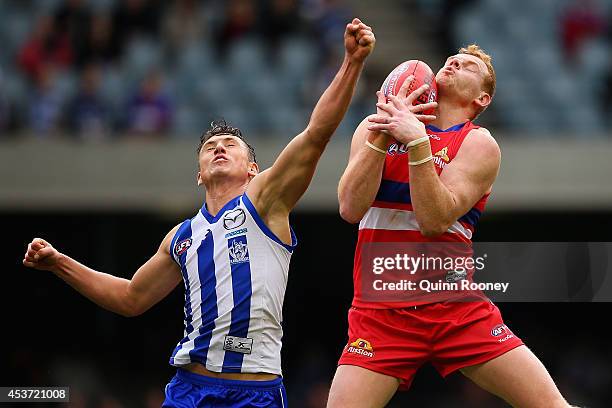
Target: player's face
224,156
462,76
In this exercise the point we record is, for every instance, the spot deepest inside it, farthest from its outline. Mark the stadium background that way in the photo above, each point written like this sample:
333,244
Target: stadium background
101,106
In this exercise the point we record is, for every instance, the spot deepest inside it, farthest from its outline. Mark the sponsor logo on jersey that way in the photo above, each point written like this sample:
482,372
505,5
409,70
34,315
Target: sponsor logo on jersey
432,96
443,153
234,233
440,158
397,148
499,330
238,250
182,246
234,219
242,345
400,148
360,346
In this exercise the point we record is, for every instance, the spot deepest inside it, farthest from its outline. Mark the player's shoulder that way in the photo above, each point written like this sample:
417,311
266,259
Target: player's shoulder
167,241
481,140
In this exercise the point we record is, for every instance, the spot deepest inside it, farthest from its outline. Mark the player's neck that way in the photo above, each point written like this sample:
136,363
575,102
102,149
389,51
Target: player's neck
449,114
220,193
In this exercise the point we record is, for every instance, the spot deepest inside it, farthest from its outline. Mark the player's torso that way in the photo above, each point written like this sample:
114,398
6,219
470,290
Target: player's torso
235,274
391,217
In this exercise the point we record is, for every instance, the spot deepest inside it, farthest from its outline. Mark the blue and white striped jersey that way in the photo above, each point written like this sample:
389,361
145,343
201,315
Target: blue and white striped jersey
235,273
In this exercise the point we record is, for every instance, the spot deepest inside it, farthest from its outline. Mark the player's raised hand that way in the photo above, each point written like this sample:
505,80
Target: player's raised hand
41,255
408,100
359,40
397,120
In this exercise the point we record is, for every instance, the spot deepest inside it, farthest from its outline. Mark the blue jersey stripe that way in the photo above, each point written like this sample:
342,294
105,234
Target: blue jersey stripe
208,283
242,291
183,233
450,129
471,217
394,192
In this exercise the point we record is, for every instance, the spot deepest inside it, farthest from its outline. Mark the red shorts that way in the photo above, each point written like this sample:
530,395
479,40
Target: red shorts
451,336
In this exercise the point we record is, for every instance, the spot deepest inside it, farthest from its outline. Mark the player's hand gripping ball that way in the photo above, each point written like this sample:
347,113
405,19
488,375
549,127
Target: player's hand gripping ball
423,75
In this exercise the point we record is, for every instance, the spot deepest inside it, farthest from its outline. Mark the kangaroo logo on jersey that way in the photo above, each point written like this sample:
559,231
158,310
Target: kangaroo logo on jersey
234,219
362,347
238,250
182,246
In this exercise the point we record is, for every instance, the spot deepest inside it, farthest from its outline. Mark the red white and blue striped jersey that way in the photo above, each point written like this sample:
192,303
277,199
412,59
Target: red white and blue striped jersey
235,274
391,217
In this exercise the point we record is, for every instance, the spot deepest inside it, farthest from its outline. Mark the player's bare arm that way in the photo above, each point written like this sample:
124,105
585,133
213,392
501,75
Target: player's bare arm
361,178
439,201
275,191
152,282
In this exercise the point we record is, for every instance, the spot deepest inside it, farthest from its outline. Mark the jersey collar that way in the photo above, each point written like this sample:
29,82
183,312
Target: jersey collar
450,129
228,206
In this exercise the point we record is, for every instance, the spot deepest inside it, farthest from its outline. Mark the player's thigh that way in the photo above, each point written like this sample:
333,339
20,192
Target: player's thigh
357,387
518,377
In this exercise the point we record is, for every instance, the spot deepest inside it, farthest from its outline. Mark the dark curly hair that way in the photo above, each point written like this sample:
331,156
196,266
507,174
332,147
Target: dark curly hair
221,127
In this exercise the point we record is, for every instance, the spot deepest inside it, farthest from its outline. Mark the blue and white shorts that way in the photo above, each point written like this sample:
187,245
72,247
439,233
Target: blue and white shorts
190,390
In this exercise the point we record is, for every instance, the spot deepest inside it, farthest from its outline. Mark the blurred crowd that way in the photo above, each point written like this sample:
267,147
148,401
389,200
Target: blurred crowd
553,59
98,69
147,68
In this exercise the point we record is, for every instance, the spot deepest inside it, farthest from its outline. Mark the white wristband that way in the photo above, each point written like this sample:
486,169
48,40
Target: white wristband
373,147
414,163
418,141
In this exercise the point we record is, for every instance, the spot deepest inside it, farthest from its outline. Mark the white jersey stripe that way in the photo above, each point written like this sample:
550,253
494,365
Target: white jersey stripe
401,220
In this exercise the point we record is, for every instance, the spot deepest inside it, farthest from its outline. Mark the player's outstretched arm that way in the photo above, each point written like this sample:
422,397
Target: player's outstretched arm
280,187
152,282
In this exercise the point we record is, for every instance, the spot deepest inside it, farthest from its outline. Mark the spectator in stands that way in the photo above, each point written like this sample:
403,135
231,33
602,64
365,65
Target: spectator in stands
150,110
88,114
73,19
99,47
184,25
280,19
135,18
4,105
328,18
44,47
580,21
45,104
238,22
607,95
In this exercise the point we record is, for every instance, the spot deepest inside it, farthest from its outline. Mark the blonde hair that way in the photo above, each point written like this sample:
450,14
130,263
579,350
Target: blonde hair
489,80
